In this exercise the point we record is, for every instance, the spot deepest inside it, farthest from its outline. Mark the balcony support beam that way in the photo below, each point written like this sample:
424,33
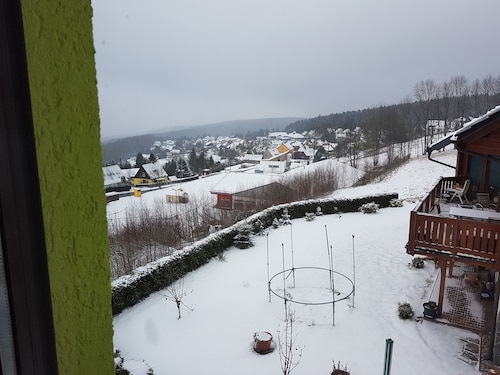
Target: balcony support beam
442,265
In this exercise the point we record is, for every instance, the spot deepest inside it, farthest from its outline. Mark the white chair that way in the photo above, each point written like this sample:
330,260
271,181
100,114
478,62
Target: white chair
459,192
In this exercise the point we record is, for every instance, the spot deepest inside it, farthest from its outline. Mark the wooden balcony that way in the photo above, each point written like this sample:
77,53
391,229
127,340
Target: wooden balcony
450,239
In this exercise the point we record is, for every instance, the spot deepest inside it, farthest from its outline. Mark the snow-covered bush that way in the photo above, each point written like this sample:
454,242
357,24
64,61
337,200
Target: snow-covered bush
405,310
417,262
259,228
285,217
276,223
310,216
395,202
369,208
242,239
119,369
318,211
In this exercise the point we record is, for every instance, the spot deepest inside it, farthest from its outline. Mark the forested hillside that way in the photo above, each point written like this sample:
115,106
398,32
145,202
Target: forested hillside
453,102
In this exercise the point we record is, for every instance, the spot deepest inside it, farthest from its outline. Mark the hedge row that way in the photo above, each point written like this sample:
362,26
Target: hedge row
131,289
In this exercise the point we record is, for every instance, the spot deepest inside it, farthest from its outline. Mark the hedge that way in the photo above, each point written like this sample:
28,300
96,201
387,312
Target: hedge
131,289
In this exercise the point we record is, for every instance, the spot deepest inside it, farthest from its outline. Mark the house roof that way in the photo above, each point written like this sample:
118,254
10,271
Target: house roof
467,129
260,191
112,175
154,170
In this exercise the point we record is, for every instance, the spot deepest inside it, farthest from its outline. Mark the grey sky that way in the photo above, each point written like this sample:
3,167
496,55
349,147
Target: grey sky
171,63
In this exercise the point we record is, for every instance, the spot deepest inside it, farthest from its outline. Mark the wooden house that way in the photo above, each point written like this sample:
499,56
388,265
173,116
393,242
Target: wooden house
150,175
470,240
114,179
256,198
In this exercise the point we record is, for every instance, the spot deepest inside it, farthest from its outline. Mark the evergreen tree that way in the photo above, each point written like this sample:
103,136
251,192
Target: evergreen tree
139,160
193,159
152,157
170,167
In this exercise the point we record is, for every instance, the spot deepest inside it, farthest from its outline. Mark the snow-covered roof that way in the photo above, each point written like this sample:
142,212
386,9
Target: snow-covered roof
112,175
252,157
453,137
154,170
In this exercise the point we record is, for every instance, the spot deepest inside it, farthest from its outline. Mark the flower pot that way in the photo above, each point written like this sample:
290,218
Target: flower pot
340,372
262,342
430,310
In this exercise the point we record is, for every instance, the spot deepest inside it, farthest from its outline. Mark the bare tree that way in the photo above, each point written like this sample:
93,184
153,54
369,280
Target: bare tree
426,93
290,353
475,92
489,88
460,89
445,103
176,292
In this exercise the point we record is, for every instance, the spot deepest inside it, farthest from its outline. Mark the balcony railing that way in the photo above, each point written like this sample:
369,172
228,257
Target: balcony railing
457,239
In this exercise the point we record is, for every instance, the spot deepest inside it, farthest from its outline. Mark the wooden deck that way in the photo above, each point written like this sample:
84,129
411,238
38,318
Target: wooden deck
435,234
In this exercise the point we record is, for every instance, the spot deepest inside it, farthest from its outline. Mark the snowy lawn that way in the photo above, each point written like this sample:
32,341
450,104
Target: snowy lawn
228,301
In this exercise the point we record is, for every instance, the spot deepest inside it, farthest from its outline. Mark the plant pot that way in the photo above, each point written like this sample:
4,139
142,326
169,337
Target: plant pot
340,372
430,310
262,342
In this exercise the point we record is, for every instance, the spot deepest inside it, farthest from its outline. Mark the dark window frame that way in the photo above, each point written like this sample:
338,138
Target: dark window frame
21,220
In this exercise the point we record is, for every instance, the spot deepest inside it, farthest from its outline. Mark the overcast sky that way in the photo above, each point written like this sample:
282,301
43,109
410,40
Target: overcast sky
170,63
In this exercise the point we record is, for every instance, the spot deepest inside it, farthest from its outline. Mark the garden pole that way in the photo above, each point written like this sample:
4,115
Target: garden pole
284,277
388,356
332,283
354,272
329,256
291,241
268,278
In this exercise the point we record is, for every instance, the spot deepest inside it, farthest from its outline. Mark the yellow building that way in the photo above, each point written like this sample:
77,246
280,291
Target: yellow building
150,175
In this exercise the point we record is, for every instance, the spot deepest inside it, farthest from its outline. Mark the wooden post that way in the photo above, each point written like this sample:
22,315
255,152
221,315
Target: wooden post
442,285
452,264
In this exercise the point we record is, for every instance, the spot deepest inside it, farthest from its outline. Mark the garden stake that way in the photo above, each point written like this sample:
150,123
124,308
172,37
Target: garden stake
388,356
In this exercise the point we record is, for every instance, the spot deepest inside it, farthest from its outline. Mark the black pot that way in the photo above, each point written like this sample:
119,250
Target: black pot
430,310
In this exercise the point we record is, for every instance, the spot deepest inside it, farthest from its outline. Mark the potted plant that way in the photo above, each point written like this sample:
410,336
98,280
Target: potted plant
430,309
339,369
417,262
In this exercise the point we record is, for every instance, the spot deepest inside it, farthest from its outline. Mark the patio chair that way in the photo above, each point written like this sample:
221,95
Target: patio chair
459,192
485,201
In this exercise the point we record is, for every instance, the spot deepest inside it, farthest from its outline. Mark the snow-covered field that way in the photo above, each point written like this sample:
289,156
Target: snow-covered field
228,300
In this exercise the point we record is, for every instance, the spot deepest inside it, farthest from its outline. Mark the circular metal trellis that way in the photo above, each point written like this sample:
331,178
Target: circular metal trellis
292,270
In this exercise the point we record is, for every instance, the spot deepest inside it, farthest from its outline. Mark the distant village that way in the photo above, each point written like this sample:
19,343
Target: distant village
173,161
277,153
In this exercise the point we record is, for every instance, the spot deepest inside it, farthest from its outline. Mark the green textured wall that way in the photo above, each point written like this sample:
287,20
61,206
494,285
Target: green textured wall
61,65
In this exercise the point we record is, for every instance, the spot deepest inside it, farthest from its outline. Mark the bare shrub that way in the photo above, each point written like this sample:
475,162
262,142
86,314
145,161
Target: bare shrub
290,354
176,292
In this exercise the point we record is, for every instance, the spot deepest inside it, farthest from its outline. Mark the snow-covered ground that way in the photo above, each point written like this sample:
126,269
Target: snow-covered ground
228,300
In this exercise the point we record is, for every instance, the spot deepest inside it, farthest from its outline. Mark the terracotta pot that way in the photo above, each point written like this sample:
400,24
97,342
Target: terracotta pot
262,341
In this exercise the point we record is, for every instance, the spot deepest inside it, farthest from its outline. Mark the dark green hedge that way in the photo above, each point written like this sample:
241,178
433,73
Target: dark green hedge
130,290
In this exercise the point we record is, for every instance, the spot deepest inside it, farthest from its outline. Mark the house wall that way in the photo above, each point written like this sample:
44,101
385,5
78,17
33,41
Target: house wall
273,166
485,143
225,201
142,181
471,163
62,78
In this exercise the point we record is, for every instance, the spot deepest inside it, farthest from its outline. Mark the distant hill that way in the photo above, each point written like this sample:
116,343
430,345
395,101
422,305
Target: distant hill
122,148
229,128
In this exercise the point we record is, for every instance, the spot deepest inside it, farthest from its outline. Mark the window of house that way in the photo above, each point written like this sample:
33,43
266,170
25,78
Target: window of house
494,174
475,169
